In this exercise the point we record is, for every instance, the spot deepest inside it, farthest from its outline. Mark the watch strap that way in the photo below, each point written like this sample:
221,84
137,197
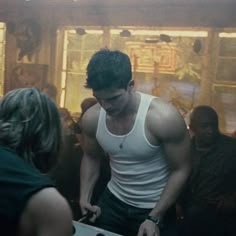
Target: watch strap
154,219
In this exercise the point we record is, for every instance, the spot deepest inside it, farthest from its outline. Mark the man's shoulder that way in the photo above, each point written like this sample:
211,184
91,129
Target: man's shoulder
227,142
163,110
92,113
226,138
157,104
90,118
165,119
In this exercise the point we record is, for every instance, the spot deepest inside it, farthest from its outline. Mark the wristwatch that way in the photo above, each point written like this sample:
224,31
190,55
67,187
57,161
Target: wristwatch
154,219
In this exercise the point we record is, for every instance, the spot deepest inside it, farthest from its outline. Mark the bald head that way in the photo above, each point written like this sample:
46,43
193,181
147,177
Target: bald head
204,124
202,112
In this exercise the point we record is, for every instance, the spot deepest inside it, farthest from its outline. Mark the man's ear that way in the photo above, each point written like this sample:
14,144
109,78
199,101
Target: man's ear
130,85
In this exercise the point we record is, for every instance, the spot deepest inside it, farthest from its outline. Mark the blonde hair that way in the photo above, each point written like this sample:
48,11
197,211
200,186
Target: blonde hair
30,125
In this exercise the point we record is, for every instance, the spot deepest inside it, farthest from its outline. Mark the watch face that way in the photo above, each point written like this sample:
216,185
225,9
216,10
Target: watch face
154,219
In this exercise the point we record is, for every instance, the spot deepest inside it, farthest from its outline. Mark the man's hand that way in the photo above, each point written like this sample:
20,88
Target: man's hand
148,228
87,208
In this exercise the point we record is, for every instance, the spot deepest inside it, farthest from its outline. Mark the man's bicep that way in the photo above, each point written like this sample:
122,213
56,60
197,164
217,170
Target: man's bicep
177,148
89,142
91,146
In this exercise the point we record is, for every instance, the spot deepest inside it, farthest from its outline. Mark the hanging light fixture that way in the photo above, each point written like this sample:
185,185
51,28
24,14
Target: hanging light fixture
80,31
165,38
125,33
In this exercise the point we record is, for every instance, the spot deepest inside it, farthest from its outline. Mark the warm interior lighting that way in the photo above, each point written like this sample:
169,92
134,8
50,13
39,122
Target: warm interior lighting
62,98
227,35
173,33
63,80
152,40
80,31
125,33
88,31
2,56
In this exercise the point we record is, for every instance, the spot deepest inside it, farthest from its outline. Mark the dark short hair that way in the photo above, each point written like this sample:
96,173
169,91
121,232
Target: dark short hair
30,125
203,111
108,69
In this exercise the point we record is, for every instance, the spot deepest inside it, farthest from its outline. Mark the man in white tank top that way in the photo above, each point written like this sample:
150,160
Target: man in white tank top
148,146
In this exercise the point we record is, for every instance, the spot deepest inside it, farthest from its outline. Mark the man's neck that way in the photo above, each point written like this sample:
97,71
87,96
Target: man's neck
132,106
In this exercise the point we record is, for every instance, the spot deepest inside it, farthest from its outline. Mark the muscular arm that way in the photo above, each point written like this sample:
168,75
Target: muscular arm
46,214
180,169
91,161
174,136
89,172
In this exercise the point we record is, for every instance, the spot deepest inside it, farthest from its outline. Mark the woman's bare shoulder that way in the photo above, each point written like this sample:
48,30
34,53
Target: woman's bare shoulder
46,211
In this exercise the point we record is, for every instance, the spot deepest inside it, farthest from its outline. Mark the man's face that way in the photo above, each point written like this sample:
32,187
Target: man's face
113,100
205,130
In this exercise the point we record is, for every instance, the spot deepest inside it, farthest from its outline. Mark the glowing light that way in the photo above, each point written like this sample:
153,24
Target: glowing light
88,31
173,33
227,35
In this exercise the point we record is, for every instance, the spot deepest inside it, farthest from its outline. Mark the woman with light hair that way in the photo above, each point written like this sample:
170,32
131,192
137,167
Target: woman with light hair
30,138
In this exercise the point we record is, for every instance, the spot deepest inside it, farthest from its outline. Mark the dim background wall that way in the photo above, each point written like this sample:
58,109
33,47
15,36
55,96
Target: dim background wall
211,15
53,14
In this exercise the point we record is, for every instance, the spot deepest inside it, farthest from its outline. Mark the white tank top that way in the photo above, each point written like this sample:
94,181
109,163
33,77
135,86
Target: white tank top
139,170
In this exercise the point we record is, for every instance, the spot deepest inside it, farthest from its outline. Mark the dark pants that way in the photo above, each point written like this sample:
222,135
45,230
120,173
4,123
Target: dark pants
124,219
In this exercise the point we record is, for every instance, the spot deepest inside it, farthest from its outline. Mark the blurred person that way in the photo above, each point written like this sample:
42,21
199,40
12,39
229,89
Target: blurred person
30,137
148,147
51,90
69,125
208,204
66,173
85,105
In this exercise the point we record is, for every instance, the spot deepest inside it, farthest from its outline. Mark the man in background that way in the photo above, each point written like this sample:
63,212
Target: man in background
51,90
208,205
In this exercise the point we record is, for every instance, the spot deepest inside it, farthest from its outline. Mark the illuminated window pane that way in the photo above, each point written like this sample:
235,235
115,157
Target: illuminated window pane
2,56
77,51
2,35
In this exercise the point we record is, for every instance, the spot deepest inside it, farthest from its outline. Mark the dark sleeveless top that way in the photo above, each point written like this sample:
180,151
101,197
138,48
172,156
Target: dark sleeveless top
18,182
